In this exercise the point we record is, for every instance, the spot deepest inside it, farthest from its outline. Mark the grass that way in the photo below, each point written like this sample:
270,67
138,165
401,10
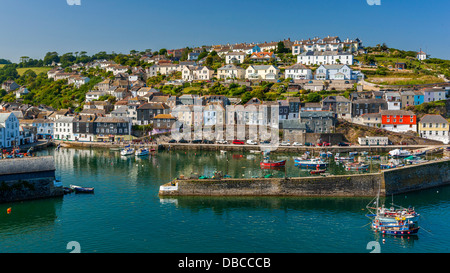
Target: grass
36,70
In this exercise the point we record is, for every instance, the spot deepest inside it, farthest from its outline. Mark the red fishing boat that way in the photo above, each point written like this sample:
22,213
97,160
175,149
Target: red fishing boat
317,171
267,163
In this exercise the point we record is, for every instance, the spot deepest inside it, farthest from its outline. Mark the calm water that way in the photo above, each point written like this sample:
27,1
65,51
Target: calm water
126,214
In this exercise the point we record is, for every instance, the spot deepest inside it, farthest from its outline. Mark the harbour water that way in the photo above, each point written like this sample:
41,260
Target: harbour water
126,215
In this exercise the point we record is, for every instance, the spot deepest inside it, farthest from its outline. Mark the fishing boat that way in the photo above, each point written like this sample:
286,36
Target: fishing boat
310,163
390,165
399,153
317,171
352,153
337,157
393,221
79,189
142,152
127,151
364,153
415,160
267,163
356,166
326,154
374,157
419,152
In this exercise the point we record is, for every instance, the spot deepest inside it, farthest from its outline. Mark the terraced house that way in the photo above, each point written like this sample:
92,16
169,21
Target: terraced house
434,127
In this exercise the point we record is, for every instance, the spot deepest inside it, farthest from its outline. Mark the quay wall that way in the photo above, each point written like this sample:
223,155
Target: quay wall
27,178
339,185
416,177
394,181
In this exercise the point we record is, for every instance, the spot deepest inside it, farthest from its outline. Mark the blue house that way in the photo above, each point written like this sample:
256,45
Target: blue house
254,49
418,97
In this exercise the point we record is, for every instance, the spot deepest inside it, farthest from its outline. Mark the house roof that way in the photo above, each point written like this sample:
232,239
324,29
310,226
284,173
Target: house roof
297,66
154,105
396,113
433,119
164,116
262,55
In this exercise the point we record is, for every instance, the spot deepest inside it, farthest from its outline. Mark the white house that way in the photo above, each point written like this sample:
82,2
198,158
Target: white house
21,91
334,72
329,43
326,57
94,95
234,57
421,55
77,80
230,71
63,129
373,141
193,73
394,100
298,72
9,130
262,72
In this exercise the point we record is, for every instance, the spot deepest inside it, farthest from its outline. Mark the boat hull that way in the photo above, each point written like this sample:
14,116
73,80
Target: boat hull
273,164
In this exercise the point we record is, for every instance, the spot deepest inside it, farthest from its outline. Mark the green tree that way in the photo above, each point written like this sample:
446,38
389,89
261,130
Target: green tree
313,97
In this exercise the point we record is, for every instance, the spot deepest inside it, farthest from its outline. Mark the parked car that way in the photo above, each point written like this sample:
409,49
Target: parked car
251,142
284,143
308,144
343,144
197,141
183,141
297,144
265,142
172,141
324,144
239,142
221,141
206,141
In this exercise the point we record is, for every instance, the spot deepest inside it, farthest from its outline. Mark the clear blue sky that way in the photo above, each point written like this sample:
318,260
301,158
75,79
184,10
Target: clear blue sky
32,28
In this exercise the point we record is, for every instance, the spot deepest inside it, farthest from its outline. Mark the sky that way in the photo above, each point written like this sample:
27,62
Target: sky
33,28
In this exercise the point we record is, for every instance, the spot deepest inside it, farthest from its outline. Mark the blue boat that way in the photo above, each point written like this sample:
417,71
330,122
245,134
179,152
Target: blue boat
142,152
310,163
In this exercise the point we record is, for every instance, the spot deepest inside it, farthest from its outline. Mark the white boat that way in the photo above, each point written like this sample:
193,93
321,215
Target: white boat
142,152
356,166
343,158
399,153
310,163
127,151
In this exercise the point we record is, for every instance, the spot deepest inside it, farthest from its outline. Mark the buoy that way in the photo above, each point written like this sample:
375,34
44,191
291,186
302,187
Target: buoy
8,210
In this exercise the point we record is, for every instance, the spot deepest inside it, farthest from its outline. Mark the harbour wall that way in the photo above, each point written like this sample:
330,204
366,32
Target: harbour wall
394,181
28,178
